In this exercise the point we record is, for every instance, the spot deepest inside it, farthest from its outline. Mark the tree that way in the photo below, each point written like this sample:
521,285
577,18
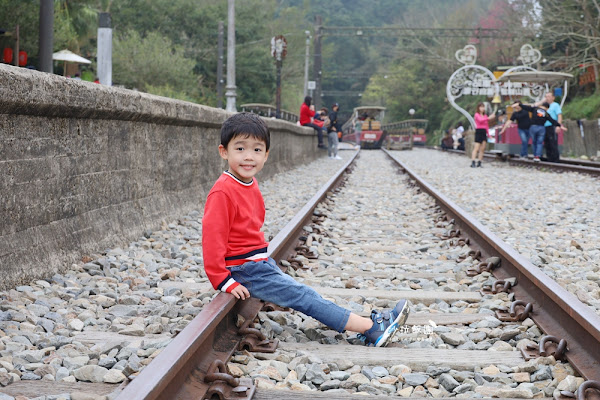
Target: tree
154,64
25,13
571,29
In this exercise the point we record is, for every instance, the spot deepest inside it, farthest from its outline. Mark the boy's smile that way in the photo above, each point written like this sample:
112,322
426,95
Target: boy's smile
246,156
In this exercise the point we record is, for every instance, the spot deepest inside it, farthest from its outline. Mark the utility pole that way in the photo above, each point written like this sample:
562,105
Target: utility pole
104,56
46,35
317,63
220,66
230,93
306,63
16,58
278,51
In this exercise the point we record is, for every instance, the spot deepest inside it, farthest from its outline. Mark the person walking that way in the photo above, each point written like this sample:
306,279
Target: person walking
307,113
332,132
539,116
482,123
523,123
550,137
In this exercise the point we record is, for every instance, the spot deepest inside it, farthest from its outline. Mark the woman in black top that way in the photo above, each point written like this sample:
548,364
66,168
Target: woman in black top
523,124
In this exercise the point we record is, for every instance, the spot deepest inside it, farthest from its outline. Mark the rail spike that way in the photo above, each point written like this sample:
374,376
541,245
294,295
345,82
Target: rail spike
254,340
548,346
225,386
499,286
513,315
488,265
269,306
588,390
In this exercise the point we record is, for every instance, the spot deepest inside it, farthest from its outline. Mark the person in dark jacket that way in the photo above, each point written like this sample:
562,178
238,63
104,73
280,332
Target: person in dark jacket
521,116
539,116
333,132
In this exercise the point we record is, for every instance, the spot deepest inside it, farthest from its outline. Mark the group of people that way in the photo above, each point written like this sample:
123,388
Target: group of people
323,123
453,139
540,127
546,115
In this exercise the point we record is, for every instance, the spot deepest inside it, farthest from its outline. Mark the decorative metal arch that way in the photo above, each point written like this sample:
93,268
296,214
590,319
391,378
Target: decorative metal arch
461,79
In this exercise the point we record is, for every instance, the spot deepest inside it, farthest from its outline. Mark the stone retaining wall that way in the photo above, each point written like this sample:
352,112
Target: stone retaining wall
84,167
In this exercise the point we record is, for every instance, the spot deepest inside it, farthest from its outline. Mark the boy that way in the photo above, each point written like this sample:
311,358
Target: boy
235,250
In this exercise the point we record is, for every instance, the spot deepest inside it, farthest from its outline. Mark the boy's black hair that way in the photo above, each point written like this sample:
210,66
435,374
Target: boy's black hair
245,124
545,104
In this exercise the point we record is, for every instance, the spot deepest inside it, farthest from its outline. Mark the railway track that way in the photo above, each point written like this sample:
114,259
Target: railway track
564,165
365,252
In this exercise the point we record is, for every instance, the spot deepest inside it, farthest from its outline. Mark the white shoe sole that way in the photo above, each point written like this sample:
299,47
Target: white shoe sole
393,328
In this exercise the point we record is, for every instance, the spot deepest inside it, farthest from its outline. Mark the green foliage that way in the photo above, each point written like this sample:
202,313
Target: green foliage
583,107
153,63
25,13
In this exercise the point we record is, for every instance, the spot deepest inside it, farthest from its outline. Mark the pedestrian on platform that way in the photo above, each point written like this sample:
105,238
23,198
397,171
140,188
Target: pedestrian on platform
523,123
234,249
482,124
333,132
539,116
550,137
307,114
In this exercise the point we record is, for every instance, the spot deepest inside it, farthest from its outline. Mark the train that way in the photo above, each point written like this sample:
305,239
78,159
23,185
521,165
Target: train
405,134
364,128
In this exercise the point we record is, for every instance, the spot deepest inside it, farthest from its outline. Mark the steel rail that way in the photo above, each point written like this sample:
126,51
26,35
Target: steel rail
556,311
564,165
178,372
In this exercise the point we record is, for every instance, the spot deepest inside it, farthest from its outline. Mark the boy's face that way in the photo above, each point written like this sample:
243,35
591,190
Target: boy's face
246,156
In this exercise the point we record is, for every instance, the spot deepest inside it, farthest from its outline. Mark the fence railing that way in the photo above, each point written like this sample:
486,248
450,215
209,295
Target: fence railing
268,110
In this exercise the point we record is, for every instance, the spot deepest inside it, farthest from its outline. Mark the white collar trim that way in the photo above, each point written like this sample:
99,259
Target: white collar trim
238,180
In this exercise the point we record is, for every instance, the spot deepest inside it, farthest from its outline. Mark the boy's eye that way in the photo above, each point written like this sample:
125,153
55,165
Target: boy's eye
239,148
258,150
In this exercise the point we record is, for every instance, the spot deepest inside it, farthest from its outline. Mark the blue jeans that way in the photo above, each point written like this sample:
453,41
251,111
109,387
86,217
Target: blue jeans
524,133
264,280
537,133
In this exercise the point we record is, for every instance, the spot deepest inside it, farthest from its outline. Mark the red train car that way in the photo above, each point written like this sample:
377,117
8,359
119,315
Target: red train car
364,127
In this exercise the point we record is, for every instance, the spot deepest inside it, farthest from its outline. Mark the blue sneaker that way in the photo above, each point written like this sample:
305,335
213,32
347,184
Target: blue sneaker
385,324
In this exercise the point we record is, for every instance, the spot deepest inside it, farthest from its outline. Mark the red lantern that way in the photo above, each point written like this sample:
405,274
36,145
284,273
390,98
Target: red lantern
7,55
22,58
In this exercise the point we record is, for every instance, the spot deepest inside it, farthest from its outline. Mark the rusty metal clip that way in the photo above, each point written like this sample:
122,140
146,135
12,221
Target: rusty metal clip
295,263
588,390
499,286
475,255
305,251
268,306
513,315
460,242
488,265
225,386
452,233
548,346
255,340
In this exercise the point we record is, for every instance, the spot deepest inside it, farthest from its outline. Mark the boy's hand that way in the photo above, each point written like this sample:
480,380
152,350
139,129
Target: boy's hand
240,292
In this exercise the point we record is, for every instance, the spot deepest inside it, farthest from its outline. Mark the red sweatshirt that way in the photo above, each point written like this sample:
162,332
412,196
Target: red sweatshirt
233,215
305,114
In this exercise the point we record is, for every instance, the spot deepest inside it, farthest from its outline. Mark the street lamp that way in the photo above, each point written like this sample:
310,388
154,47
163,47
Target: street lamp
411,112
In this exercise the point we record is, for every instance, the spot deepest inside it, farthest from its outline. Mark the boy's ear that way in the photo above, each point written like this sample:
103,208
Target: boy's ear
223,152
266,155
